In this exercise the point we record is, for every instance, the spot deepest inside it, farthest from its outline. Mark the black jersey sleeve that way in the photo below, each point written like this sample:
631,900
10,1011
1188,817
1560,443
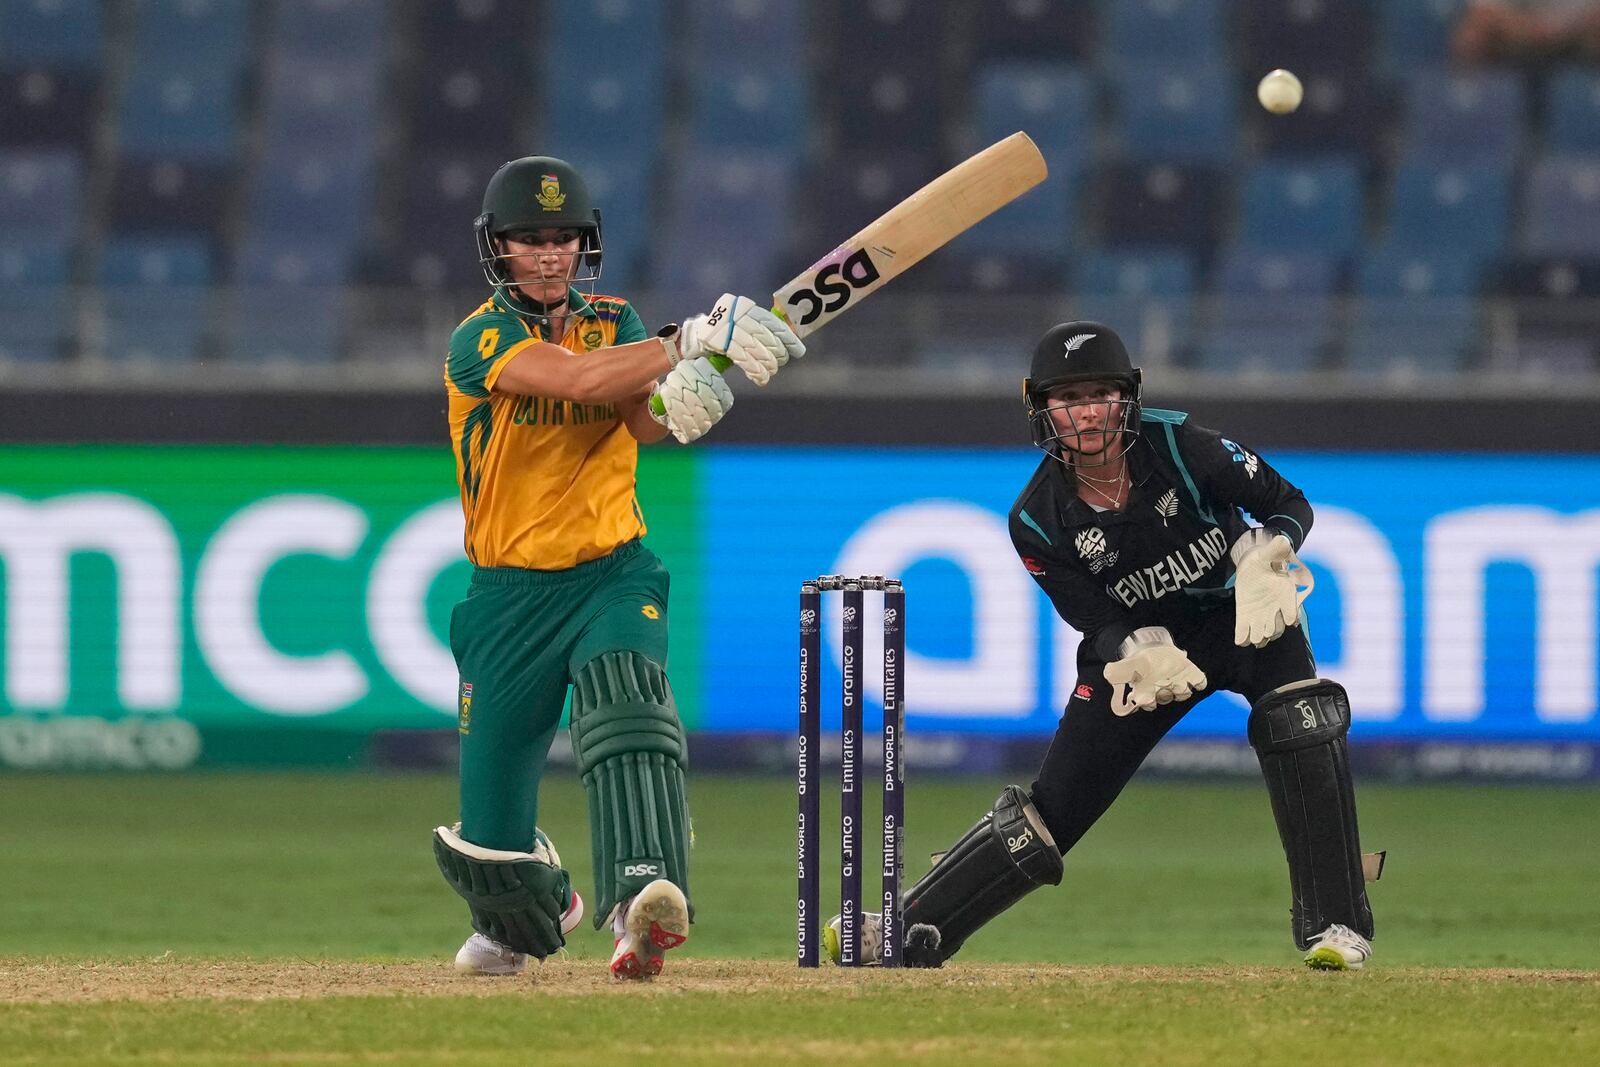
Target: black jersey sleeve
1078,597
1232,475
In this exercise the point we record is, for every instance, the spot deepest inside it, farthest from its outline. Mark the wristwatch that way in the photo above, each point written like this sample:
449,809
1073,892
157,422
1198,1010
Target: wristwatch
671,342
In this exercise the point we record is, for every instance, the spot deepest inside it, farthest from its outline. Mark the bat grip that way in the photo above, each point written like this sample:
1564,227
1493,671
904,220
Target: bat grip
659,408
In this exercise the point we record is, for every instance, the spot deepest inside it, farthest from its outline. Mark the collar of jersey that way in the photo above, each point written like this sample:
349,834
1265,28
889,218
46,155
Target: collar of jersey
576,304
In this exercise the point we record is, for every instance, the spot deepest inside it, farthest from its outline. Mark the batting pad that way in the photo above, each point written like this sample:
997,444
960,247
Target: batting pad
1007,855
631,753
1298,732
516,898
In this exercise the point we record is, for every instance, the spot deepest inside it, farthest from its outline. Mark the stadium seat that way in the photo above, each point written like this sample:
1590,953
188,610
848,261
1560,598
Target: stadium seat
1412,32
1573,123
774,33
1051,30
322,196
1136,33
882,89
40,194
288,301
54,33
1306,36
47,105
1147,294
1448,207
1561,207
1462,115
617,89
155,296
744,103
322,102
1551,299
354,30
1340,117
721,229
464,106
1162,204
1272,312
1302,207
1415,313
169,195
473,27
1053,102
34,323
180,33
190,112
1177,114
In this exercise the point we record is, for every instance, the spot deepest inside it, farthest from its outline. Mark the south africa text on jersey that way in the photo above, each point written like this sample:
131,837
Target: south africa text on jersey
542,411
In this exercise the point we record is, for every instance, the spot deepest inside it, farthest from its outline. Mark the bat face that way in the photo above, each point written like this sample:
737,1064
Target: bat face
909,231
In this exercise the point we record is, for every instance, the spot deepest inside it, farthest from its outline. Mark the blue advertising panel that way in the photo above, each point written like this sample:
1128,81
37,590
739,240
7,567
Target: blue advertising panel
1455,595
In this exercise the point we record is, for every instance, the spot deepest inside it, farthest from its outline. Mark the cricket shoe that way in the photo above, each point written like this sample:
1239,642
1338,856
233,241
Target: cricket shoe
654,921
1338,948
485,956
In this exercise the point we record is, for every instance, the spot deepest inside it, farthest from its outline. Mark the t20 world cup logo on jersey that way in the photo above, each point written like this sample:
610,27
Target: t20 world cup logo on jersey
1091,544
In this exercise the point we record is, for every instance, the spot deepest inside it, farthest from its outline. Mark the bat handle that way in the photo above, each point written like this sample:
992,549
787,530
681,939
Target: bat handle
659,409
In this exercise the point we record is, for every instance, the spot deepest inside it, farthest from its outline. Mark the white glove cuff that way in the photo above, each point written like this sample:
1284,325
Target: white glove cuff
1250,540
1143,638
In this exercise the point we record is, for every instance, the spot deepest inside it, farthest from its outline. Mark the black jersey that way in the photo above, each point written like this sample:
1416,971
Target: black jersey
1163,560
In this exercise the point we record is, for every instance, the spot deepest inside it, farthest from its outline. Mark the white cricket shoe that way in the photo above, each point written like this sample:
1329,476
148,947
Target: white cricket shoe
871,929
1338,948
485,956
654,921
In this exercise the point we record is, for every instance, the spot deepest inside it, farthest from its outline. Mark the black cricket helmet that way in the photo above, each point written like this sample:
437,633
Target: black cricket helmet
536,193
1073,352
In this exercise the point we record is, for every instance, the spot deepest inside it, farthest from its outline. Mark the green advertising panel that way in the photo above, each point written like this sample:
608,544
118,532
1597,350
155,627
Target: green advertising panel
178,606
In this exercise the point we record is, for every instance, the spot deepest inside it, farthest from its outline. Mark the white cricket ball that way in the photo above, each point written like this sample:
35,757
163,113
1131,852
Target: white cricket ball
1279,92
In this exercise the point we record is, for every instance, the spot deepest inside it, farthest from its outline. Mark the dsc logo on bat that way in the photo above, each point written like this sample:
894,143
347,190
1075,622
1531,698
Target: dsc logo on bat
832,286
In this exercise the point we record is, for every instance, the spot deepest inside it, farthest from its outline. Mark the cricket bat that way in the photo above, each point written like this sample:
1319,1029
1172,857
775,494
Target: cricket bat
903,236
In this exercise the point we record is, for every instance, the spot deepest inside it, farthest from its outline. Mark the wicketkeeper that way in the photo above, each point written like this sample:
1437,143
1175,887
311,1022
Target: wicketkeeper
1132,525
549,392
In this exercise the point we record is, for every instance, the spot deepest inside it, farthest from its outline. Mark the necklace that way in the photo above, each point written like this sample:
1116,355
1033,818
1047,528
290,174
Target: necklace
1099,484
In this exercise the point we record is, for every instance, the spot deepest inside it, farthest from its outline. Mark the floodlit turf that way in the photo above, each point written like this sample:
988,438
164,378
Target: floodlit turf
220,919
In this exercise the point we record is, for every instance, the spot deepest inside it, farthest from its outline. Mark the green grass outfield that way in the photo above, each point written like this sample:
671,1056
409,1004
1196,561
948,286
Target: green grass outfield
299,919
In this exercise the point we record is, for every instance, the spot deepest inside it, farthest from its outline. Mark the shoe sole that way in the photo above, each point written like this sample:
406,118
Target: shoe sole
1329,959
659,916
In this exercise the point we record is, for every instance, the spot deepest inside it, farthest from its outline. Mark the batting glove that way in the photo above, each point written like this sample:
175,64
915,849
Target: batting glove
745,333
693,398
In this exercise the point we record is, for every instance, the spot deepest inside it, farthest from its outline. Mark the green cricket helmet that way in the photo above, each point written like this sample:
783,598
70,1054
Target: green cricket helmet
1070,353
536,193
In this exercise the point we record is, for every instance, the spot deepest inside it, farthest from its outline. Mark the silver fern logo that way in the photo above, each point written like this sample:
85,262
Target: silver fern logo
1167,506
1076,341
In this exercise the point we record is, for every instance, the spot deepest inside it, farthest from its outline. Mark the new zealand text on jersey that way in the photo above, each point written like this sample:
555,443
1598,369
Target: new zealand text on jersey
1171,574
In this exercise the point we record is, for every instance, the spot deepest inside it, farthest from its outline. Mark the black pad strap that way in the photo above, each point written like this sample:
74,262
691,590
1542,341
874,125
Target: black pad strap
515,898
1002,859
1298,732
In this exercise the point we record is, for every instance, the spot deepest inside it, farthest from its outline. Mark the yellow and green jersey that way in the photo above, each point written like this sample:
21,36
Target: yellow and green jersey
545,484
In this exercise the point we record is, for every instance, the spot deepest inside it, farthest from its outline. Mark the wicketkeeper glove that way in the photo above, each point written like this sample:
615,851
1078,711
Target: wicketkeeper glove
1152,671
1266,587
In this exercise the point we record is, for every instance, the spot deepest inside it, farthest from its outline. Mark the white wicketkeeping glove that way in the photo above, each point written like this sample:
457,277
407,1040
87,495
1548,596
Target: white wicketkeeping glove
1266,587
747,334
1156,669
693,399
